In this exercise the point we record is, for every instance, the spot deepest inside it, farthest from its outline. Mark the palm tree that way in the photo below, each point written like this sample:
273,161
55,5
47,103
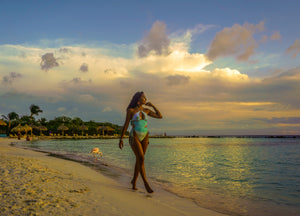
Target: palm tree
10,117
63,119
27,120
35,110
43,121
75,123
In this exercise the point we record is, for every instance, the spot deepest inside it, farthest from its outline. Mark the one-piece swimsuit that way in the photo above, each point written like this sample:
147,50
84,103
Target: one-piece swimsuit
139,125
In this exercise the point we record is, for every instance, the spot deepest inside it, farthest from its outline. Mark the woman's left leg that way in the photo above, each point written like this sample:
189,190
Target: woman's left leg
136,167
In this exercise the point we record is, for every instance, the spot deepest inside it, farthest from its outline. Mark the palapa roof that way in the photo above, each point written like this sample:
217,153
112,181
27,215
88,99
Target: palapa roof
34,126
42,128
27,127
105,128
2,122
108,128
83,127
17,128
62,127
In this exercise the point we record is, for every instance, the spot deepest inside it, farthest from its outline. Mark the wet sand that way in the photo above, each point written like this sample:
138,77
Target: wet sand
33,183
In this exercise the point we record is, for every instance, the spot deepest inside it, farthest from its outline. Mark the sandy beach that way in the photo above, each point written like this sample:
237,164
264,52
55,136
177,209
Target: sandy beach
33,183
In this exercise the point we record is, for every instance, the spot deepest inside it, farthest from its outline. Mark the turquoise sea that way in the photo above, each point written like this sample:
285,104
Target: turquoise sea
237,176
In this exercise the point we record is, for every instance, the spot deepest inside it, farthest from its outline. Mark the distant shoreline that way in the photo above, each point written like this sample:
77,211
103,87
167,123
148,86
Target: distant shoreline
162,136
241,136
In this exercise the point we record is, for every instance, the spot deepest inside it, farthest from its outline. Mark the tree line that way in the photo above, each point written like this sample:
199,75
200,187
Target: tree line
74,124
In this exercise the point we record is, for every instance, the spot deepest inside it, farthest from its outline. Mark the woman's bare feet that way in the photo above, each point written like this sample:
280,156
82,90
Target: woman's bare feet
133,185
148,188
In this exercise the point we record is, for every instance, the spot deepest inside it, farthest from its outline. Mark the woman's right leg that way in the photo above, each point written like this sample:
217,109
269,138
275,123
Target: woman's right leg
139,167
136,168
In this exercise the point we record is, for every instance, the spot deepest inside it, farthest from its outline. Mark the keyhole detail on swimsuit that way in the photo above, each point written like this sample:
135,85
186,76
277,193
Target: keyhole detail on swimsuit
142,115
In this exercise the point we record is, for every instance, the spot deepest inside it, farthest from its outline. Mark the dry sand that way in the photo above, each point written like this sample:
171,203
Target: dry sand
32,183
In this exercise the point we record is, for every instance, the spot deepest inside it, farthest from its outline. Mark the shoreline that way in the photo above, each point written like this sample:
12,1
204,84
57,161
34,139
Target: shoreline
34,183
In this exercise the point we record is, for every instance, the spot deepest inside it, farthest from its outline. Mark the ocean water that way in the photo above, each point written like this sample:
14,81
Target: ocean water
237,176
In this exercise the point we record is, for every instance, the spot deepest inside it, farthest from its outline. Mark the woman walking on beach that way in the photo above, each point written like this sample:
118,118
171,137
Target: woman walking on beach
138,139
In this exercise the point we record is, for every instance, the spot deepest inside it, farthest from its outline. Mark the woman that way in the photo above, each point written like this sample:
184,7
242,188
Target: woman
139,135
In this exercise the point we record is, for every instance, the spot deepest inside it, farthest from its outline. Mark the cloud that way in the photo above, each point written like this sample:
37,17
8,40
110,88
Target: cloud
76,80
282,120
156,41
48,62
294,49
184,37
23,54
178,61
264,39
11,77
276,36
189,89
84,68
87,98
198,29
177,79
110,71
280,89
237,41
64,50
107,109
61,109
229,74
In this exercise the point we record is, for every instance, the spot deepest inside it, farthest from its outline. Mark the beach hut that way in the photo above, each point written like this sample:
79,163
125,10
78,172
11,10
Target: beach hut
18,128
105,130
41,128
27,128
109,130
2,125
82,128
63,128
101,128
33,126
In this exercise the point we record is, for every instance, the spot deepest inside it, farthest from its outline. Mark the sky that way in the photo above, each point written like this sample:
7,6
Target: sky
211,67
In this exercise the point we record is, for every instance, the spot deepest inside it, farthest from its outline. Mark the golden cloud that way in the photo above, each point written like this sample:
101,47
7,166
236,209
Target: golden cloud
294,49
237,41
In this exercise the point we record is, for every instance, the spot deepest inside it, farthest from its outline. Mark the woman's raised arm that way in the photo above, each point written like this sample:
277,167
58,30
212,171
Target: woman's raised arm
155,114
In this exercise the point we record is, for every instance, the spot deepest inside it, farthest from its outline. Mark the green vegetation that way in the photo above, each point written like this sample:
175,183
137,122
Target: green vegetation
75,125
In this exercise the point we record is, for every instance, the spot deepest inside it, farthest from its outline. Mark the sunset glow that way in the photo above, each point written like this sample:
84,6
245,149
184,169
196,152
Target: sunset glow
233,75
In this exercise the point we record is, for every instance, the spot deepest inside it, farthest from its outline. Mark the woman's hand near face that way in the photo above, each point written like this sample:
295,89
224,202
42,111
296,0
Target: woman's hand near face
155,114
149,104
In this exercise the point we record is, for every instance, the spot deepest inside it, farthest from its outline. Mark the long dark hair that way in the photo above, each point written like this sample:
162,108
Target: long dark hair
135,99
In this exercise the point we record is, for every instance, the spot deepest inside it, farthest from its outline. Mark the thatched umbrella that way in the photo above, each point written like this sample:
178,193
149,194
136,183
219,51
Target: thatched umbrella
62,128
82,128
102,128
27,128
41,128
33,126
18,128
2,123
105,128
108,128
